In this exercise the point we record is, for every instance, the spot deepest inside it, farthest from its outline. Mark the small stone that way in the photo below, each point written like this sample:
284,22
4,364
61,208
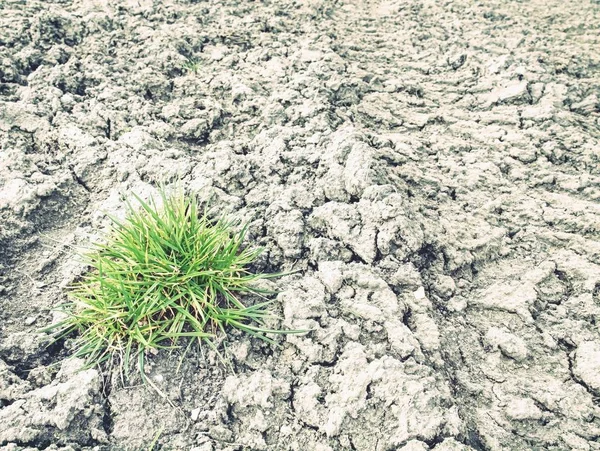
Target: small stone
512,92
457,61
401,338
195,128
523,409
218,53
220,433
510,345
40,376
444,287
331,275
548,180
194,414
526,156
457,304
99,435
420,293
67,101
515,91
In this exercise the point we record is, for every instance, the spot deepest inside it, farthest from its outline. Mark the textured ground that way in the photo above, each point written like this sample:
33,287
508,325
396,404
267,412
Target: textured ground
433,168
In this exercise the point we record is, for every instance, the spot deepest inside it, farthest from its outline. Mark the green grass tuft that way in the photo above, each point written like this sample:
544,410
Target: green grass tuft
192,66
163,274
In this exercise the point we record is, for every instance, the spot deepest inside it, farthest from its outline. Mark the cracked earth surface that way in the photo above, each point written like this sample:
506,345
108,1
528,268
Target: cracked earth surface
431,168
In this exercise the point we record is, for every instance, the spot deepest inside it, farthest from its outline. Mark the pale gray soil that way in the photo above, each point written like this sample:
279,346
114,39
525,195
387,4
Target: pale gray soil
431,167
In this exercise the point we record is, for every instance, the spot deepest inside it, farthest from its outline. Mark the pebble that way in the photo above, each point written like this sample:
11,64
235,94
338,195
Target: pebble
510,345
420,293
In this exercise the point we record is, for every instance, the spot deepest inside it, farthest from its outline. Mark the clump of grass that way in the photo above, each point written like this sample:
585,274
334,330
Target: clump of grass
192,65
163,274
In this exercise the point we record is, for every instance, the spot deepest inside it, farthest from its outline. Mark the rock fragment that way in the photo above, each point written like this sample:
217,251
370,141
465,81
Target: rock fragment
509,344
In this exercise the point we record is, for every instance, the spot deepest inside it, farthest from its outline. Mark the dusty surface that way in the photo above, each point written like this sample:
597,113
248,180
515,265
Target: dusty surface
433,168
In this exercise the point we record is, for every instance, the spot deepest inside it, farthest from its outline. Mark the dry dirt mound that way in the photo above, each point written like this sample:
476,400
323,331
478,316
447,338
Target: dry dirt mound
432,168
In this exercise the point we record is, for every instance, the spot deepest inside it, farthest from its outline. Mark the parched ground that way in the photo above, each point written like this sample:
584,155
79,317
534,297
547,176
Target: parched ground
431,167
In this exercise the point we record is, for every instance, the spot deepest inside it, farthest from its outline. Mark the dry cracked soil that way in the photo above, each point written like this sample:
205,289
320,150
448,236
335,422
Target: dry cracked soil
431,168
